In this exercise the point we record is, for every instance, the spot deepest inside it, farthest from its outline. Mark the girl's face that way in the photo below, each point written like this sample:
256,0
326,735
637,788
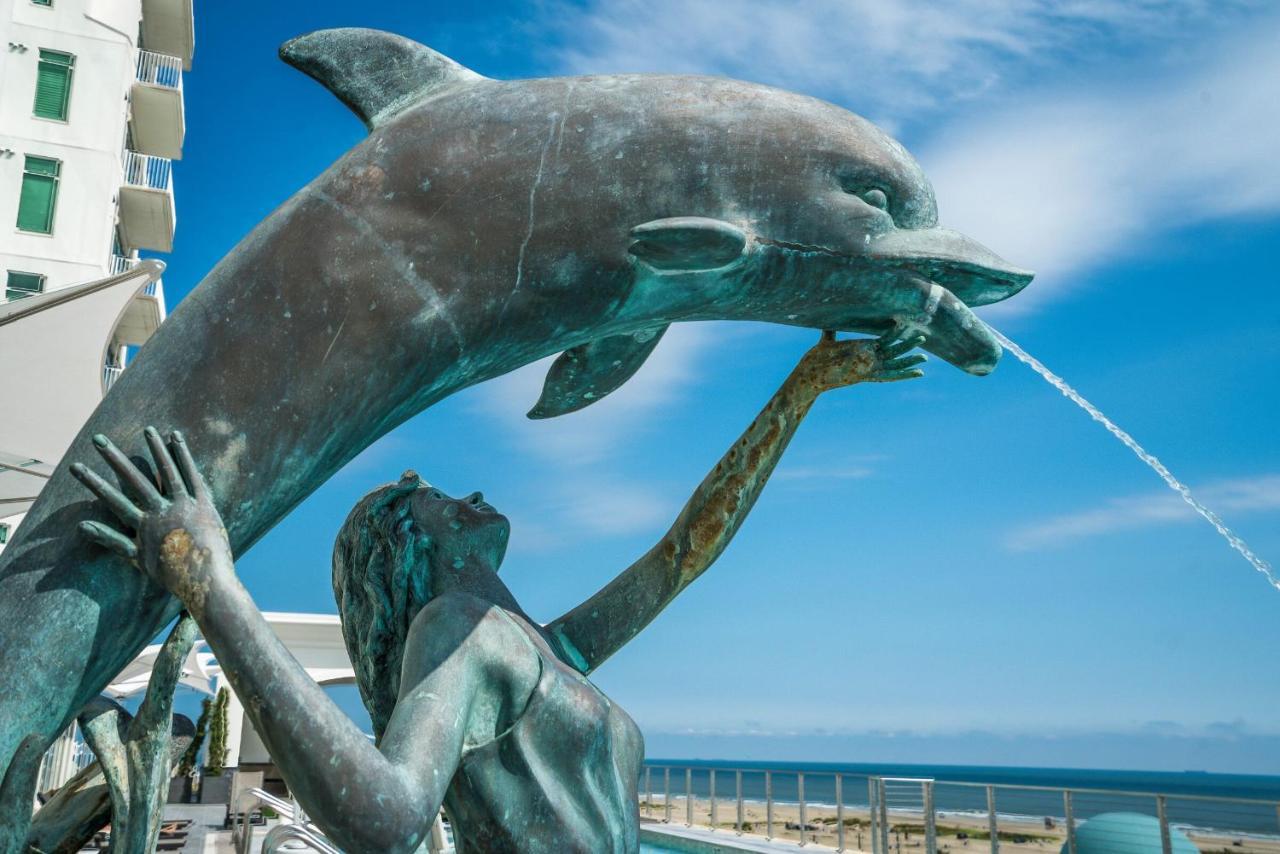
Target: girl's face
462,528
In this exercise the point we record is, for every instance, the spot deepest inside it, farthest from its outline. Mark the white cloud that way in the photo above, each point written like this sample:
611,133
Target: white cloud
1160,508
889,60
1070,180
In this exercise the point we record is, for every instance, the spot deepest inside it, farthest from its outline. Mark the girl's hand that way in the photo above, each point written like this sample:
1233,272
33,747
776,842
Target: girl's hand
178,539
834,364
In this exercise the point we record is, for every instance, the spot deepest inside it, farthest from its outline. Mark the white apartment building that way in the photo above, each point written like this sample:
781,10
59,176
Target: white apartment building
91,119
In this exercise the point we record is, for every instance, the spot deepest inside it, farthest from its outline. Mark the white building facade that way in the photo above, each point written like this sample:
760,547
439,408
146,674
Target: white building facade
91,119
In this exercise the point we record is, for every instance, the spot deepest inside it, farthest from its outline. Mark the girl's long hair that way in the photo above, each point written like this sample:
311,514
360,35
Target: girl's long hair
381,580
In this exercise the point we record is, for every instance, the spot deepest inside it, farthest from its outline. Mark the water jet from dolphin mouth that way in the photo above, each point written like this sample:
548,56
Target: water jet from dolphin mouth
1141,453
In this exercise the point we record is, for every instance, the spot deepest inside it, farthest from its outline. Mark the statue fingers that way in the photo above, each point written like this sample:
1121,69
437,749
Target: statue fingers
894,348
124,509
170,480
110,539
903,362
895,376
187,465
129,474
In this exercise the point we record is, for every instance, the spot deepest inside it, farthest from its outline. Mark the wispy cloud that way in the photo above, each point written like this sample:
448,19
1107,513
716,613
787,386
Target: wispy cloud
890,60
1124,514
1067,180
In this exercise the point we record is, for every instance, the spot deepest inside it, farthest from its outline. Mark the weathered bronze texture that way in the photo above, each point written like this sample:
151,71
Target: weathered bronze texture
82,806
129,782
475,705
481,226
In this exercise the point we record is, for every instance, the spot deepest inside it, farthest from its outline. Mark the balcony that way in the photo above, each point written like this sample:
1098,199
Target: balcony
144,315
147,214
168,27
110,373
157,118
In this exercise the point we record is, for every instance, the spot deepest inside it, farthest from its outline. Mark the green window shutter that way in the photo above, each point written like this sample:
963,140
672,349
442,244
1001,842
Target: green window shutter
39,194
53,84
23,285
4,534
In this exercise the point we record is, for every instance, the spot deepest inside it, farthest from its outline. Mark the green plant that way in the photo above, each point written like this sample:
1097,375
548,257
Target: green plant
188,762
217,758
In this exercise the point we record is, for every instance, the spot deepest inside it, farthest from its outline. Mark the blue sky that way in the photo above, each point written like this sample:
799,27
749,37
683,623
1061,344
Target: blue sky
955,569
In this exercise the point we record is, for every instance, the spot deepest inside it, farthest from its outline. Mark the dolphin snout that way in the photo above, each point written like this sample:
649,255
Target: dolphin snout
962,265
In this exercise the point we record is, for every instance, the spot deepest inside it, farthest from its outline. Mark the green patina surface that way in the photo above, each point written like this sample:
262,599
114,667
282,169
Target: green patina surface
482,225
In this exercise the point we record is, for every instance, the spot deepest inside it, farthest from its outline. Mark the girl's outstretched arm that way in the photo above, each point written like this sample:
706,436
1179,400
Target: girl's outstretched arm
599,627
364,800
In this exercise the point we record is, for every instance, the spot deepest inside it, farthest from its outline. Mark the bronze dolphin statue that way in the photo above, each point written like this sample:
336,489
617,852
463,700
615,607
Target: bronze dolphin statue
482,225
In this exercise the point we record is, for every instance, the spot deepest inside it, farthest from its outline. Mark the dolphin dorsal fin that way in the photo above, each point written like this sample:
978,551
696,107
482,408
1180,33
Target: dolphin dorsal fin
375,73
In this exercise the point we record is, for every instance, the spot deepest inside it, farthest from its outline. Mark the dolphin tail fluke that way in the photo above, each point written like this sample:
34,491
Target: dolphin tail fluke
586,373
375,73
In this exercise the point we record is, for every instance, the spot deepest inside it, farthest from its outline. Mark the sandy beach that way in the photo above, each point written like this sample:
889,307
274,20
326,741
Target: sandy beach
958,833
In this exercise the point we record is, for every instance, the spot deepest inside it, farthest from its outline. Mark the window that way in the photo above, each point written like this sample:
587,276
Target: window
39,194
39,3
4,534
53,84
23,285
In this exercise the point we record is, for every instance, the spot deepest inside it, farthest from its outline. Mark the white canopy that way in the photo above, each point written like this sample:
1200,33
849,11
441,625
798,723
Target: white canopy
197,671
60,340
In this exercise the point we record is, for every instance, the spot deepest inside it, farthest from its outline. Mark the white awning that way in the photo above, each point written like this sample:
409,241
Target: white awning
197,670
56,344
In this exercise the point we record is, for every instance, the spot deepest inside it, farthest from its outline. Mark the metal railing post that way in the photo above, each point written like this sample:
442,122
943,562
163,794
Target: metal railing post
1071,821
992,826
688,797
666,794
768,805
930,820
800,795
1166,843
839,813
737,781
874,824
712,792
648,790
884,816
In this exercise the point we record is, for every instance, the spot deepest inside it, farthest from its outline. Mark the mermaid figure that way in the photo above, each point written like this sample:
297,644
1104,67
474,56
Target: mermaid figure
476,707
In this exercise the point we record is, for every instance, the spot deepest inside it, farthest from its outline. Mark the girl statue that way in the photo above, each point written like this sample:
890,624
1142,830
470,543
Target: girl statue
476,706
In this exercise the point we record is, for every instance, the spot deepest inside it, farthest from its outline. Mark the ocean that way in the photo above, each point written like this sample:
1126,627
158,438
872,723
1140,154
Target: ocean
1039,795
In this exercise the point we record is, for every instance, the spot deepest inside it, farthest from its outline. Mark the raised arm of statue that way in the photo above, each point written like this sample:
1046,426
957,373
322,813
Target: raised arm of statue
365,798
599,627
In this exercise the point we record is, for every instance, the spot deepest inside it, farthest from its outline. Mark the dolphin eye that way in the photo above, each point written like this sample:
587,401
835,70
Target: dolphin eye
875,197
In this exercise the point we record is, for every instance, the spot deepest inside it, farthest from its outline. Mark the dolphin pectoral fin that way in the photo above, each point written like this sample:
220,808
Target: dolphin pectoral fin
376,74
688,243
590,371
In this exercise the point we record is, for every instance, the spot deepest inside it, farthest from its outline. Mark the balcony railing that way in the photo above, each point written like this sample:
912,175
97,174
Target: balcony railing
158,69
148,172
122,264
110,373
885,815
